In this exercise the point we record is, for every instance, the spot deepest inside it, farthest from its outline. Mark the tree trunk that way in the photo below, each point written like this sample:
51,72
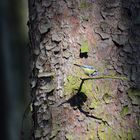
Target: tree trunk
67,104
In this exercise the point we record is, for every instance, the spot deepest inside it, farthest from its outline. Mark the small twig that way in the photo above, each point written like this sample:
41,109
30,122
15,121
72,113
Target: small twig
81,84
105,77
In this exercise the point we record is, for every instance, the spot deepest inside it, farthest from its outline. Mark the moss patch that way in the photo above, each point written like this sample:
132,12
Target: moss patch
138,121
94,104
71,86
84,47
87,88
125,134
84,5
134,95
106,133
73,83
107,98
125,111
69,137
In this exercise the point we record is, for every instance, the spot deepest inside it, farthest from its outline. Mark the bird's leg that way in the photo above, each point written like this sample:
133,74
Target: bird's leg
90,75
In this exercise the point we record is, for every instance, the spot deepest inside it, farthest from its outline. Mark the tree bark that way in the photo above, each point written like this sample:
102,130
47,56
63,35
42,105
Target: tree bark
100,33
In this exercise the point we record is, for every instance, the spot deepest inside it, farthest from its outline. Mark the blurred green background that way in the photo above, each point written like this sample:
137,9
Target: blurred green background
14,70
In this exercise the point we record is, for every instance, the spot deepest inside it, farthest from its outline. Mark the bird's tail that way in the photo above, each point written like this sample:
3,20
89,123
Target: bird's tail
77,65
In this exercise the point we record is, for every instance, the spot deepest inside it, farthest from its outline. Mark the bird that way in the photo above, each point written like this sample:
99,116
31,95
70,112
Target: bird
88,70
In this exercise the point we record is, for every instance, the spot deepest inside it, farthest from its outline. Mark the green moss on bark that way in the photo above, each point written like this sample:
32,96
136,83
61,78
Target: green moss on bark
73,83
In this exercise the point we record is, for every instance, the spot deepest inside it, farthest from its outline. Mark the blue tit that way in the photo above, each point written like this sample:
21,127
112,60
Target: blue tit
88,70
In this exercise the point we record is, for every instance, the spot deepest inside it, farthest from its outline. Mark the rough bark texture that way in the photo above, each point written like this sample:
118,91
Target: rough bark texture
101,33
